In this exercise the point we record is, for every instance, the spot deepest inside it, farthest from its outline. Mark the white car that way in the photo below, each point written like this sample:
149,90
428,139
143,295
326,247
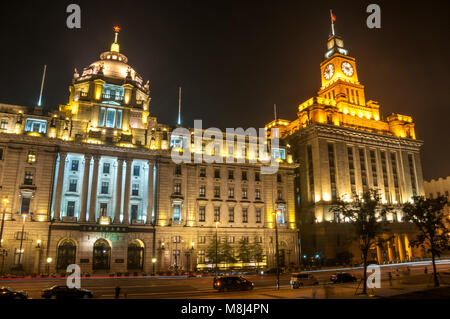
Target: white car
298,280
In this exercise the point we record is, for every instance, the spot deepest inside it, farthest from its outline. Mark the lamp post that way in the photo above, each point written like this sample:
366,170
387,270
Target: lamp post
188,257
5,201
49,261
153,263
21,239
217,243
277,213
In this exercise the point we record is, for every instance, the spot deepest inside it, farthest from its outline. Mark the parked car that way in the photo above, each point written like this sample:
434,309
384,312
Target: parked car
342,277
66,292
299,279
227,283
8,293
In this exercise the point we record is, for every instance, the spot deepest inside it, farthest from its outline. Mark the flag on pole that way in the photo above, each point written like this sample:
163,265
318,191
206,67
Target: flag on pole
333,17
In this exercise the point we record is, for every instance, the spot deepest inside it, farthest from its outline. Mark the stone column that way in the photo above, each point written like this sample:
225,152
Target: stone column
149,193
59,185
390,251
84,190
401,250
118,190
93,202
379,255
126,200
408,247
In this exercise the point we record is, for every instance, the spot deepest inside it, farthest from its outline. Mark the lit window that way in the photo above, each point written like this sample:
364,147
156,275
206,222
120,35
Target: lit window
119,118
28,178
136,170
110,117
31,158
102,116
105,186
245,215
258,215
75,164
135,190
35,125
70,208
216,214
73,185
177,212
4,124
201,214
106,167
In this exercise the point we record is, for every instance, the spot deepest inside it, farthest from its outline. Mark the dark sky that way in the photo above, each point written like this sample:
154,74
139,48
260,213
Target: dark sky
234,59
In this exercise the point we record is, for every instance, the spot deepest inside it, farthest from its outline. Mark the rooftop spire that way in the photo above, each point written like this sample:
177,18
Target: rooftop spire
115,44
333,18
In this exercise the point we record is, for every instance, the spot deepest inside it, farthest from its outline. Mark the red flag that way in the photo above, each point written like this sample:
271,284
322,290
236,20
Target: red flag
333,17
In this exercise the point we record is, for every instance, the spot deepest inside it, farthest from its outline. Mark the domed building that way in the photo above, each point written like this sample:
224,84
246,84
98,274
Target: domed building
94,184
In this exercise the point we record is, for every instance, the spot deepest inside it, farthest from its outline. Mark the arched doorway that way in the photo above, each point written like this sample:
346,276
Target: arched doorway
66,254
135,257
102,255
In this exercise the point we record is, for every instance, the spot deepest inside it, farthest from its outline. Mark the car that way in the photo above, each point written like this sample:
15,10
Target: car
302,279
66,292
8,293
227,283
342,277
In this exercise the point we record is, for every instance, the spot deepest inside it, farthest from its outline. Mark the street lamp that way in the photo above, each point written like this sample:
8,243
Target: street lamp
277,213
188,257
21,239
153,262
49,261
217,225
5,201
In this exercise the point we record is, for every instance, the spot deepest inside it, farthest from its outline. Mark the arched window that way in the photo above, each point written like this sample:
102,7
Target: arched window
66,254
135,258
102,255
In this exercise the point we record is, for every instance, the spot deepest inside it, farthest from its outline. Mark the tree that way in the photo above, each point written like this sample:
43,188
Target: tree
364,213
211,251
256,252
244,251
429,217
226,253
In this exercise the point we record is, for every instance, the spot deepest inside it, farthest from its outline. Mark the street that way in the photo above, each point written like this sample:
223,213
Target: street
168,287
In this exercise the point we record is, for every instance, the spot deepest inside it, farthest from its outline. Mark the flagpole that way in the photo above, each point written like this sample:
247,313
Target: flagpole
332,23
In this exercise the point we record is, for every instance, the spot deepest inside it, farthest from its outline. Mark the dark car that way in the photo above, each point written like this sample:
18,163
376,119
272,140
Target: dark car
8,293
228,283
342,277
66,292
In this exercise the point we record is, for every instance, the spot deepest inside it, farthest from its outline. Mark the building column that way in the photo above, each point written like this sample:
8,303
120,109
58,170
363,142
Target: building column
126,200
408,248
118,190
93,202
84,191
149,194
390,251
59,185
379,255
401,250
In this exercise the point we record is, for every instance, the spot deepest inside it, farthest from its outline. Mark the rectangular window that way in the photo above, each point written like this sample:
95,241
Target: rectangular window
230,175
136,170
395,176
201,213
102,116
387,196
25,207
18,256
134,212
373,166
217,214
202,171
135,190
110,117
310,173
103,209
231,192
412,174
72,185
217,191
104,189
362,163
177,189
257,194
244,215
244,175
36,125
201,239
244,193
106,167
332,165
176,212
178,170
1,154
201,257
258,215
231,239
351,166
71,208
28,180
202,191
257,177
75,165
4,125
31,157
231,215
119,118
217,173
280,195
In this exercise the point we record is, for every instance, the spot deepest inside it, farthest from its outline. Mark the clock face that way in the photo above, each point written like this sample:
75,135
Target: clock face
339,43
330,44
347,68
328,72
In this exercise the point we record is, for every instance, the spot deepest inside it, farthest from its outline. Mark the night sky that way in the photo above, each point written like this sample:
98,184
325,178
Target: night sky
235,59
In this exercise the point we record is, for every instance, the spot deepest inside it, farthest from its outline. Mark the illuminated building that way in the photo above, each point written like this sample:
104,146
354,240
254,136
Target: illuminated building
344,146
104,193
